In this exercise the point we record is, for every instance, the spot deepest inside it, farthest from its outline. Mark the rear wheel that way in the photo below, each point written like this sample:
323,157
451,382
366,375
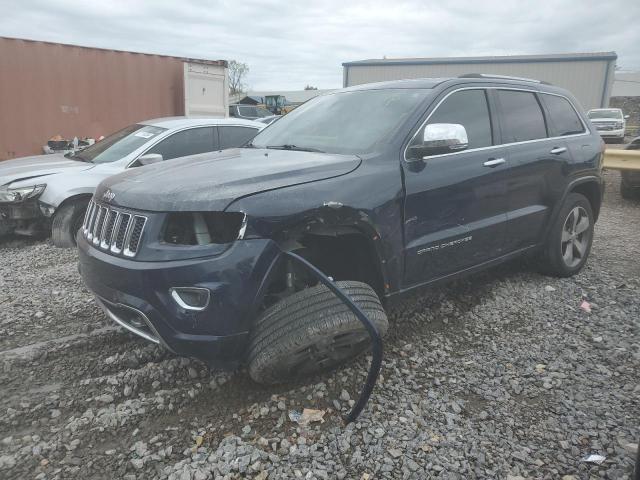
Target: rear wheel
312,331
569,241
66,223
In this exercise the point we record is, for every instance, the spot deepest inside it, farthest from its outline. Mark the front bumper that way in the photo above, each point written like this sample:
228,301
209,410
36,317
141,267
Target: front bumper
611,133
136,295
25,218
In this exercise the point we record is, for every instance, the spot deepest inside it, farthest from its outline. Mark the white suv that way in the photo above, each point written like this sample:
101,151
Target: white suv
51,192
609,122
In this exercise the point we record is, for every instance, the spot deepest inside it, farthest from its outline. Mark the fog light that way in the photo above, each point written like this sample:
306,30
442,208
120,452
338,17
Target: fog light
191,298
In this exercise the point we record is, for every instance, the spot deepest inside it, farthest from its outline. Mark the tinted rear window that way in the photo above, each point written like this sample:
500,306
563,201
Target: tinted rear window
521,116
563,119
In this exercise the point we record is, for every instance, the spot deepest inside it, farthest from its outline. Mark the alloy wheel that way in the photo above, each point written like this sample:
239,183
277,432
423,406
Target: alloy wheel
576,236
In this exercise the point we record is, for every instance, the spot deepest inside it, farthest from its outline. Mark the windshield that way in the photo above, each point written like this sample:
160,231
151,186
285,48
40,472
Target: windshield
249,111
347,122
119,144
604,114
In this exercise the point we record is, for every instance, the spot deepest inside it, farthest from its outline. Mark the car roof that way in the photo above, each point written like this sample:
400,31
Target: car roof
469,79
180,122
408,83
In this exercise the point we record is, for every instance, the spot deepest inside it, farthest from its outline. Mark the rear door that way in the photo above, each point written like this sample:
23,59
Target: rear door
538,166
455,203
565,122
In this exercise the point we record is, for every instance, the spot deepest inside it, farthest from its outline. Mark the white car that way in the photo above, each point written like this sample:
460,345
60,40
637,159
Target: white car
609,122
50,192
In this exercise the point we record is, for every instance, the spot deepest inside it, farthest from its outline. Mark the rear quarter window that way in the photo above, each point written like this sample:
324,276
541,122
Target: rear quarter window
563,119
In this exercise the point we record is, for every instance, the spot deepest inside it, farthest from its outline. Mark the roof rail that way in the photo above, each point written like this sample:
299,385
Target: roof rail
502,77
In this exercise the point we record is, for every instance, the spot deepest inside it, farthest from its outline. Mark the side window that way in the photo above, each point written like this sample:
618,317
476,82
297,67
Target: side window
563,118
469,109
235,136
187,142
521,116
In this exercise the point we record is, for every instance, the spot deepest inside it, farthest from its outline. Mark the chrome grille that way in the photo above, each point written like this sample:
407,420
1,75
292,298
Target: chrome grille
113,230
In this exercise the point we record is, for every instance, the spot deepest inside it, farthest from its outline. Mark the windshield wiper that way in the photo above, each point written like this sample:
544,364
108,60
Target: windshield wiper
288,146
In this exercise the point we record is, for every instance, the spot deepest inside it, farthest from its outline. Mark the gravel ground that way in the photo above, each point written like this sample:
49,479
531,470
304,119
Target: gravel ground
499,376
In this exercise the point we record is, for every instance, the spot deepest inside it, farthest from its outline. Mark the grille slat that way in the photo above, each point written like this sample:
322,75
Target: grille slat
97,226
107,229
135,235
113,230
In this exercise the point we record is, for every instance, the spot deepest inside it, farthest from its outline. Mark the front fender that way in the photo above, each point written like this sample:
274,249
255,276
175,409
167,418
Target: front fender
64,186
331,207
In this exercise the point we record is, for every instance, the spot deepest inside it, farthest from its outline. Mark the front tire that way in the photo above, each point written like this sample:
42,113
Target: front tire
66,223
312,331
570,238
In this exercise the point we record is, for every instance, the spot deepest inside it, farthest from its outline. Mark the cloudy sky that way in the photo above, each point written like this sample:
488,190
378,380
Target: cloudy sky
288,44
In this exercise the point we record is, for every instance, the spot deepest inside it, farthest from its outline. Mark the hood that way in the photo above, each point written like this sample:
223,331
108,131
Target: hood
26,168
211,181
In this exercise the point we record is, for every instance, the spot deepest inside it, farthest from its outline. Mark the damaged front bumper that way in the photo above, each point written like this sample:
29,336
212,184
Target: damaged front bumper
25,218
138,295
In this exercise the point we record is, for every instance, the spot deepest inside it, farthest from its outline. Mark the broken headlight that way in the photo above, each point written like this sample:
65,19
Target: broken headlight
203,228
20,194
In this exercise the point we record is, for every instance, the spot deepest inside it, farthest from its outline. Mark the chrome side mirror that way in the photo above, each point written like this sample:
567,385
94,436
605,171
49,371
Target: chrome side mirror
440,138
149,158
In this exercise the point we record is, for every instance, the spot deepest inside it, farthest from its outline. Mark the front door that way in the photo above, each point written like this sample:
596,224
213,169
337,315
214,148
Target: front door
455,206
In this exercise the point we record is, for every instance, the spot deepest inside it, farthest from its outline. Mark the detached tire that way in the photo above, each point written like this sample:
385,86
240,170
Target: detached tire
66,223
312,331
570,238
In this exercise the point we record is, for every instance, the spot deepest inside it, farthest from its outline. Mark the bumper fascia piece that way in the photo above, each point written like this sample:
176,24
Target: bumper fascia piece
218,334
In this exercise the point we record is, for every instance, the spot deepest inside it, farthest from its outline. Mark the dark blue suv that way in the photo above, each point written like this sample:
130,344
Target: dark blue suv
384,187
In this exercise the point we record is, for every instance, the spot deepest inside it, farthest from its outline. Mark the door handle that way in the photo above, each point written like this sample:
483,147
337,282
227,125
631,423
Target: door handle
494,162
558,150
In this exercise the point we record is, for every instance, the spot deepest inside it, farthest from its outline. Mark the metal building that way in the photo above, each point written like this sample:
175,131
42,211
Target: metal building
589,76
49,89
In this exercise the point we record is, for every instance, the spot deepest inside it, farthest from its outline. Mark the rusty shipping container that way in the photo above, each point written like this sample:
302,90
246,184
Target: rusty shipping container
48,89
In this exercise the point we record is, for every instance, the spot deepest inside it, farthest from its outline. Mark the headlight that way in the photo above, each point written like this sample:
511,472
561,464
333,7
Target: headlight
204,228
20,194
619,125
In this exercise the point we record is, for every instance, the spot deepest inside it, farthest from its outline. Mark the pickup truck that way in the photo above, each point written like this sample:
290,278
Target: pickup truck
384,187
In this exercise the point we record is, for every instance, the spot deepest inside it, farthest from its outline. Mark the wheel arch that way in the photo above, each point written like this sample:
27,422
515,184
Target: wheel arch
590,187
328,237
72,199
592,190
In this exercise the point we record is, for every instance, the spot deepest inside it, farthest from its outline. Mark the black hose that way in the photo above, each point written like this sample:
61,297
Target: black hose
376,340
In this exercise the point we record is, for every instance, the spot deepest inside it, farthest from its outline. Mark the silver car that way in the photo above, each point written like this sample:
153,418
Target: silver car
50,193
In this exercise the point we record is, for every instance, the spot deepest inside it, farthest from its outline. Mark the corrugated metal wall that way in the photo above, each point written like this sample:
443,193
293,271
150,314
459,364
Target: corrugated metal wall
585,79
48,89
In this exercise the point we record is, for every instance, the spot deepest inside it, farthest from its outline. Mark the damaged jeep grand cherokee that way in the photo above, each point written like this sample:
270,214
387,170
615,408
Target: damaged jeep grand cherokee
384,187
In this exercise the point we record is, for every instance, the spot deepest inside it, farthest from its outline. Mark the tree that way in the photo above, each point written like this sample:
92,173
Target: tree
309,87
237,74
